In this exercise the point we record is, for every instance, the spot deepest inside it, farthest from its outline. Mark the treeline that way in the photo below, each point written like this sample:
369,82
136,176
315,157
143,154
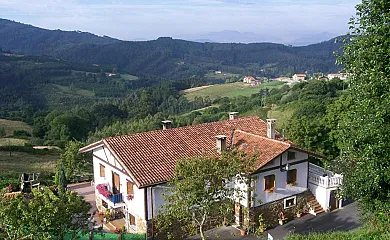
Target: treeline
170,58
316,105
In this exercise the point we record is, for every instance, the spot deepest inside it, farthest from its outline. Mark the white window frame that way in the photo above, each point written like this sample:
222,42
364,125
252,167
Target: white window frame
287,199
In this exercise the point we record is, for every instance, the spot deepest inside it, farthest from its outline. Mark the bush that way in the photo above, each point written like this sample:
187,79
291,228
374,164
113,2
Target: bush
21,133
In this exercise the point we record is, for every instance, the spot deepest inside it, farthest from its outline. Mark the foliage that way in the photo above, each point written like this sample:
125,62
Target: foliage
201,182
43,214
364,137
73,161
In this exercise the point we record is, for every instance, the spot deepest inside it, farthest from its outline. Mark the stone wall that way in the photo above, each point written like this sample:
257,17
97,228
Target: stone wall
271,212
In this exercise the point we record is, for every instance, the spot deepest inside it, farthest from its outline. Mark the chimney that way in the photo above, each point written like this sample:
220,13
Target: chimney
221,143
167,124
233,115
271,123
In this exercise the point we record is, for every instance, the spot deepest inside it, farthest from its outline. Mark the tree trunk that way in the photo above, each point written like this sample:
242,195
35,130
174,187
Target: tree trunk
201,232
201,226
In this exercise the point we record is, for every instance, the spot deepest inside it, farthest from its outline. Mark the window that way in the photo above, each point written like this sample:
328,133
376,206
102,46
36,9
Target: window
292,177
130,189
290,202
132,219
102,171
269,183
290,155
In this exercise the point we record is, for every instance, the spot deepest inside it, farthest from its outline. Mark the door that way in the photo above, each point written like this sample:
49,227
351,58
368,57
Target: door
116,184
333,202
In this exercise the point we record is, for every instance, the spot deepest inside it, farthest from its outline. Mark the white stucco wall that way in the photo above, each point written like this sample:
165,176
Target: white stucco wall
282,189
321,194
135,206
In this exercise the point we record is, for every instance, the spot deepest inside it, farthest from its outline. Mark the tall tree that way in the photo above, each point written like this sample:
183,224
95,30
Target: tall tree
365,136
200,183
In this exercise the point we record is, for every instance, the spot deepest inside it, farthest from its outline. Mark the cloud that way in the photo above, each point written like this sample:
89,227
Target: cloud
153,18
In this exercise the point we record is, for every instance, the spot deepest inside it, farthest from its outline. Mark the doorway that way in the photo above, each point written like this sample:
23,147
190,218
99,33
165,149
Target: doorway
116,183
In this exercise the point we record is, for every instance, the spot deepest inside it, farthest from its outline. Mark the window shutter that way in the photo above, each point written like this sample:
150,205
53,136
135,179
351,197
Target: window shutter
132,220
102,171
130,189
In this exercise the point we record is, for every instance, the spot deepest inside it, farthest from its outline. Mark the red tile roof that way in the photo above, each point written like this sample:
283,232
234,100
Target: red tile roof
150,157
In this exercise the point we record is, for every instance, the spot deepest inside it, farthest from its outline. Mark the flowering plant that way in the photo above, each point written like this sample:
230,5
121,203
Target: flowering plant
9,188
103,190
130,197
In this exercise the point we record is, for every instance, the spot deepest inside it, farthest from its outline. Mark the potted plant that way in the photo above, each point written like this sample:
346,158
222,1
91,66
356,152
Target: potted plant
242,231
282,218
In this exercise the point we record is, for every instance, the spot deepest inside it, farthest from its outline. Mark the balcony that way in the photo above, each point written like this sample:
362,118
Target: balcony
324,178
116,198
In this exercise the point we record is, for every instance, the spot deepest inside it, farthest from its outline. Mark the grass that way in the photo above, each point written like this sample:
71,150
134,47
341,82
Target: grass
13,142
229,90
29,162
213,75
14,163
129,77
282,114
10,126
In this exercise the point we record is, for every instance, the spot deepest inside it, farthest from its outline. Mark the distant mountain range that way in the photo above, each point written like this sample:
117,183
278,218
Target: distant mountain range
227,36
169,58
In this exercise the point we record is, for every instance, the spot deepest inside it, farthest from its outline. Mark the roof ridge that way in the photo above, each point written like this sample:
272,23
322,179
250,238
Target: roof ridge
190,126
255,135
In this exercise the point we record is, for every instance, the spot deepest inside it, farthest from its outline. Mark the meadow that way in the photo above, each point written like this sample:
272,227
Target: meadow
229,90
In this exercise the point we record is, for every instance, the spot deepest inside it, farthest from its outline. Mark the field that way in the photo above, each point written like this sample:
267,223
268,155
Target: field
62,97
229,90
11,126
13,142
129,77
14,163
282,114
41,161
213,75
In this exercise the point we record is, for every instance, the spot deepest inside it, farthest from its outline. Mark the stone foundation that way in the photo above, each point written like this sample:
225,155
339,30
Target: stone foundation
271,212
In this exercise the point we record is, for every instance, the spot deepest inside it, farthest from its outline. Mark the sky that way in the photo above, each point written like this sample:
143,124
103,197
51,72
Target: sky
150,19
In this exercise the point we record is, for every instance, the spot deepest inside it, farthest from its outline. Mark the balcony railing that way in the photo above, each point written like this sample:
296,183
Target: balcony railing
324,178
116,198
325,181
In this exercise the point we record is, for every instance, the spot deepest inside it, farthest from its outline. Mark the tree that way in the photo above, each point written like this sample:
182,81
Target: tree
365,129
43,215
71,160
200,183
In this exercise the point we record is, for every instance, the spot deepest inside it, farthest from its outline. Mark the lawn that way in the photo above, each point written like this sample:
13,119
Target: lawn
229,90
10,126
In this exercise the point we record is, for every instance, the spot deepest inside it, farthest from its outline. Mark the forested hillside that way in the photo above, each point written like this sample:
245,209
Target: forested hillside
167,57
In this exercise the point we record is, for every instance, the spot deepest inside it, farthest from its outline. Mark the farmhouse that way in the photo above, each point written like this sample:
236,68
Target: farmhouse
299,77
131,172
342,76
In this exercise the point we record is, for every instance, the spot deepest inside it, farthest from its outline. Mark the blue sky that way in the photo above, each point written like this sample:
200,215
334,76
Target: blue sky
149,19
